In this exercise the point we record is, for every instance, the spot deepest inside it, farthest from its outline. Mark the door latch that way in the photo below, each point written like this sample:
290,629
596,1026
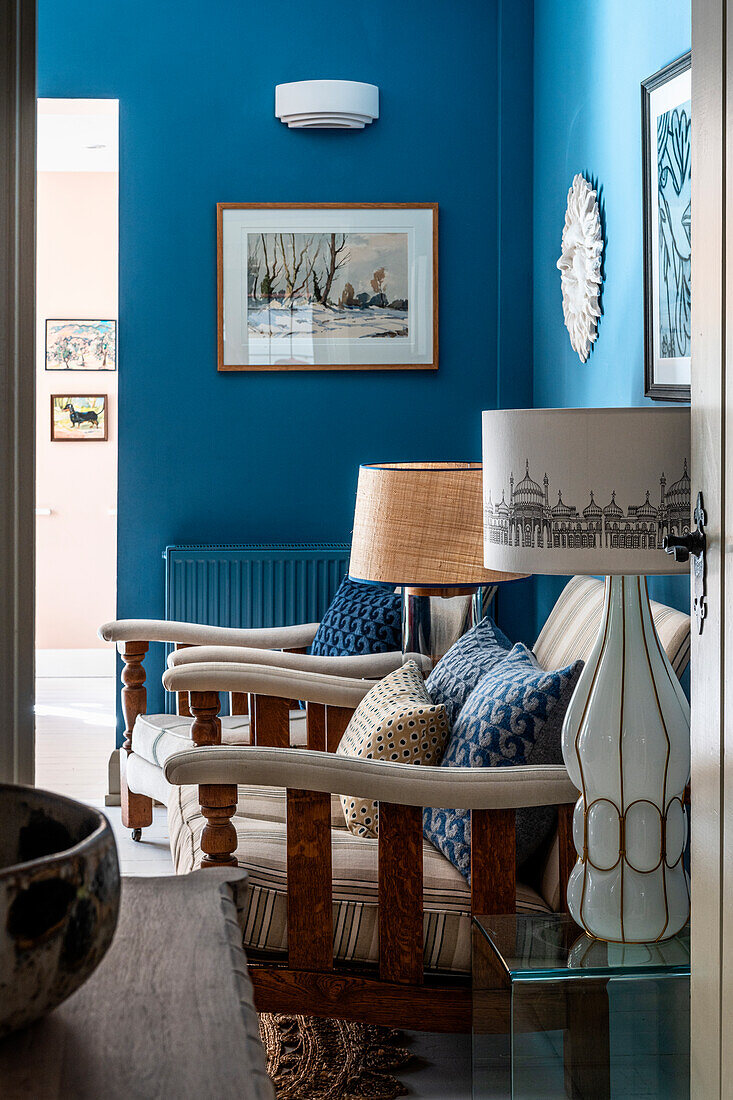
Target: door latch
682,547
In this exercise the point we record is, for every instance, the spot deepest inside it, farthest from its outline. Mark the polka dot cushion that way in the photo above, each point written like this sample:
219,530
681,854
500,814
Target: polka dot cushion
396,721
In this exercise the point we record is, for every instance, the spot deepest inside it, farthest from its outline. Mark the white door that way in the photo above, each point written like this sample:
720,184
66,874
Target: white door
712,458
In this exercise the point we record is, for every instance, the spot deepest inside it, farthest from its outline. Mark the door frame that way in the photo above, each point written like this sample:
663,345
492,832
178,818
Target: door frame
17,387
712,455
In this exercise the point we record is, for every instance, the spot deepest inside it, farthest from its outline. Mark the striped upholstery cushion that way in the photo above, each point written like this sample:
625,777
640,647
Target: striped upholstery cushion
155,737
572,627
261,848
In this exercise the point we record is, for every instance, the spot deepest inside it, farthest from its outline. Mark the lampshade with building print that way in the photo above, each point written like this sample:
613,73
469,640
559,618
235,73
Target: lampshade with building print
585,490
597,491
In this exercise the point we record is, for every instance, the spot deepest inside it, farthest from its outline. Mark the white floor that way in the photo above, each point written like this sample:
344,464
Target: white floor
75,734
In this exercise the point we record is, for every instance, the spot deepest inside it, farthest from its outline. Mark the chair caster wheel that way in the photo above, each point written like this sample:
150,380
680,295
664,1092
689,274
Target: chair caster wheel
137,834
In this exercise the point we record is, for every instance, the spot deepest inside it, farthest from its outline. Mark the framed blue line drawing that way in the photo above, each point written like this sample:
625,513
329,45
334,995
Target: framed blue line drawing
666,123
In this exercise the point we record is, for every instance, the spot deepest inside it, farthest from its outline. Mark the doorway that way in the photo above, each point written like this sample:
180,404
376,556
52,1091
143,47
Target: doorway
76,441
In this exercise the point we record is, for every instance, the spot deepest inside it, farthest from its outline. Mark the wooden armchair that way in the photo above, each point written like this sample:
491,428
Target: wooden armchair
151,738
374,930
351,927
395,990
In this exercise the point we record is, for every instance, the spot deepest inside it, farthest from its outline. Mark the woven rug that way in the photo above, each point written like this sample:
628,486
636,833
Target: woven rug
309,1058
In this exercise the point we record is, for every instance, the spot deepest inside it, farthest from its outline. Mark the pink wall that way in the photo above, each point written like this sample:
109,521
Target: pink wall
76,545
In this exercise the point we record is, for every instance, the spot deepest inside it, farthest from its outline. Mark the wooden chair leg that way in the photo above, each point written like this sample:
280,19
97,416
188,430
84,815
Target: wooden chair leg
586,1046
493,862
218,802
137,809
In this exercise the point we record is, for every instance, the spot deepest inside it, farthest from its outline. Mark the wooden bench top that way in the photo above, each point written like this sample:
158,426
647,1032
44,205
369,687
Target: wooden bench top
168,1012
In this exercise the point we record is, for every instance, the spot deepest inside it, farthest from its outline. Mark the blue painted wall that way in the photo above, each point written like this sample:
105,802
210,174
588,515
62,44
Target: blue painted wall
247,457
589,61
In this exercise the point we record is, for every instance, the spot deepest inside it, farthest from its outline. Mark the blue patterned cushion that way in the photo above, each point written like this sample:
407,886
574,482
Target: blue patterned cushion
513,716
362,618
471,657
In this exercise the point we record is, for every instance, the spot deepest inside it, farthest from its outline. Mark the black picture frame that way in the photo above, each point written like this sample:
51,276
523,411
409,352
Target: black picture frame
658,391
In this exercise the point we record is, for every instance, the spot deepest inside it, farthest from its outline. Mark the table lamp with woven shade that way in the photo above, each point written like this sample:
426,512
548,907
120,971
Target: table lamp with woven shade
417,525
599,491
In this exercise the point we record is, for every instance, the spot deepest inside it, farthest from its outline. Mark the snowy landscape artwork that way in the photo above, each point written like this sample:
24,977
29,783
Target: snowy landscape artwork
81,345
327,288
327,285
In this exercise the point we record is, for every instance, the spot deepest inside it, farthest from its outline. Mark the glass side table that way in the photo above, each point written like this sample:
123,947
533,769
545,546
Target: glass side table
557,1014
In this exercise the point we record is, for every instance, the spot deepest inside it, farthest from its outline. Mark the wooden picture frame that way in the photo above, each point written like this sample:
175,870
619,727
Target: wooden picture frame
84,422
80,343
331,320
667,262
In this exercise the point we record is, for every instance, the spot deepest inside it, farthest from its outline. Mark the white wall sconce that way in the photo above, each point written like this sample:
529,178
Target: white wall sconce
327,104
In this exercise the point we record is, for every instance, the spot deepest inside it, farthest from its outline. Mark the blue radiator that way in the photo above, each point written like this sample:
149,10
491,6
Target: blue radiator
277,584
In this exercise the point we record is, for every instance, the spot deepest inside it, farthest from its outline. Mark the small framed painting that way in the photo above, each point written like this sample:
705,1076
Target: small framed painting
81,345
326,286
666,157
78,417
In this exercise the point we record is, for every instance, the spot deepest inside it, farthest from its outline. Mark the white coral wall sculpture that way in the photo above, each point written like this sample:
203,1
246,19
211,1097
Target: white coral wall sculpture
580,267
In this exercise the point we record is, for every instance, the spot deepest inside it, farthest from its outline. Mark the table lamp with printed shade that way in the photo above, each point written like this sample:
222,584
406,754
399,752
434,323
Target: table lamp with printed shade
417,526
595,491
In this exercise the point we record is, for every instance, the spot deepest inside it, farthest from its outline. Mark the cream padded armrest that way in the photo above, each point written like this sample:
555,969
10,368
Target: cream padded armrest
267,679
404,784
160,630
373,666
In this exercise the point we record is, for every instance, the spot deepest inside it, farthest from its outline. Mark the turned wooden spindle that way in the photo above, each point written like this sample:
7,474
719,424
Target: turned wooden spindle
219,838
134,695
206,725
136,809
218,802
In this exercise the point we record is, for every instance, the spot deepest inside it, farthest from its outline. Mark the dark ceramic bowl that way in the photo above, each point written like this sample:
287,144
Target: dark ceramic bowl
59,898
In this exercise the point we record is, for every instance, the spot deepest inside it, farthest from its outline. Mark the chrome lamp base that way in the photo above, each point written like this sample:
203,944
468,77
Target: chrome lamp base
434,618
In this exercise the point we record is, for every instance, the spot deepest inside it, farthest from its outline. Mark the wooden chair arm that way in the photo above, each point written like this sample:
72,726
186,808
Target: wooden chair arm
161,630
402,784
268,680
369,666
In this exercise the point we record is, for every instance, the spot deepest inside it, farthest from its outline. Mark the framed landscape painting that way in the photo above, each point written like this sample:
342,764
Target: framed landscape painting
666,157
81,345
323,286
78,417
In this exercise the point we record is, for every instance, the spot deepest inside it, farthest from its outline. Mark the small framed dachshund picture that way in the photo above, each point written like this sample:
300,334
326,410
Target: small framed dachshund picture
78,417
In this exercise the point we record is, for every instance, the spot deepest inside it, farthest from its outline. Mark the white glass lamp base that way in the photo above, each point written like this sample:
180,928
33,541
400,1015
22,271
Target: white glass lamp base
626,745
